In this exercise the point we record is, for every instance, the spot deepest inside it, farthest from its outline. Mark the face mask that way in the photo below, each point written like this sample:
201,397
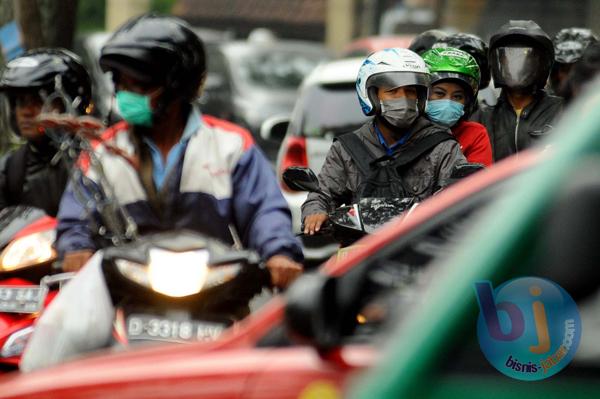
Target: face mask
134,108
444,112
399,113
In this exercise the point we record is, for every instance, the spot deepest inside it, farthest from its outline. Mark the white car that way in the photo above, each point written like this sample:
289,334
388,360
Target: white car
327,106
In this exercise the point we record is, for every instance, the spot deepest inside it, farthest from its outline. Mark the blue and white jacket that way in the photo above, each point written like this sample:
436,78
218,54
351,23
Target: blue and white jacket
220,178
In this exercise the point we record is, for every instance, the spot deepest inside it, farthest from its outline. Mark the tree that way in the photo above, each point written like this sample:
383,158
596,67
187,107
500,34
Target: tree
46,23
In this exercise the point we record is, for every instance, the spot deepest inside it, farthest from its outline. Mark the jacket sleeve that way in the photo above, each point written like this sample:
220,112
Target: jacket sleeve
332,181
450,157
261,213
73,230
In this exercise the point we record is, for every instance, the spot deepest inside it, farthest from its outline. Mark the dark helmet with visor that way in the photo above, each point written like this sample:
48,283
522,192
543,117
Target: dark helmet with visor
521,56
473,45
157,50
46,71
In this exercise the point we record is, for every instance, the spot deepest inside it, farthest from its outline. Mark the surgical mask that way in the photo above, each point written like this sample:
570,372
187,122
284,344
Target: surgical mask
444,112
134,108
399,112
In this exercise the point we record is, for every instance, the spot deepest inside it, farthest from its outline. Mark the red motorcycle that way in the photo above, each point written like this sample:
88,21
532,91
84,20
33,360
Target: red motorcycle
26,281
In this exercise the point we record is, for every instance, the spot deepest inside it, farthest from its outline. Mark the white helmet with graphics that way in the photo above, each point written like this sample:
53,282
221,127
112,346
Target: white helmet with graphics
391,68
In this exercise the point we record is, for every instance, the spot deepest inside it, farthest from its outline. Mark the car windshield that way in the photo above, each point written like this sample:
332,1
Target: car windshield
329,110
277,68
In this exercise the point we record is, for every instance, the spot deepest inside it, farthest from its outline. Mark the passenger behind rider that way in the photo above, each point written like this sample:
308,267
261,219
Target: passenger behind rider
521,55
583,72
33,175
190,171
392,86
452,98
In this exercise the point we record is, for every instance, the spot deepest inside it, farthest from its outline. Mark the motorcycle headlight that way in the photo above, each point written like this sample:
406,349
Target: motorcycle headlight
177,274
28,250
15,344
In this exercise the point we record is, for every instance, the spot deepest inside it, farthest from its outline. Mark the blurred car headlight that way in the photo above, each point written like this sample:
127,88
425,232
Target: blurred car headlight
15,344
177,274
28,251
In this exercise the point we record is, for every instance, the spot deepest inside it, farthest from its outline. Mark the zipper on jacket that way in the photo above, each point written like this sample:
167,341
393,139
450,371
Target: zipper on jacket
517,133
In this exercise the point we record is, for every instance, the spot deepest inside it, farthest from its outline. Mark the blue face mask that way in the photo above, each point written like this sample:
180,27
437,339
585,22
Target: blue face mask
444,112
134,108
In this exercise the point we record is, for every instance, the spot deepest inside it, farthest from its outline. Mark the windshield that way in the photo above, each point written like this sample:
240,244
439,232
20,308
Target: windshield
328,110
277,68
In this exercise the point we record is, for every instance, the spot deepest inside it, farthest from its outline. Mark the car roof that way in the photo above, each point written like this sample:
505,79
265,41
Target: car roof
338,71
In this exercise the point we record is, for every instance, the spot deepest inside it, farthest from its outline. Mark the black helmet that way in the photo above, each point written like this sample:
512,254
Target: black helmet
425,40
473,45
570,43
157,49
37,70
521,55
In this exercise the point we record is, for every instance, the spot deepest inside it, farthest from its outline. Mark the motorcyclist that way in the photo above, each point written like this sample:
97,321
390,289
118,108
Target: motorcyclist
33,174
392,85
452,98
521,55
583,72
192,171
569,45
187,171
478,49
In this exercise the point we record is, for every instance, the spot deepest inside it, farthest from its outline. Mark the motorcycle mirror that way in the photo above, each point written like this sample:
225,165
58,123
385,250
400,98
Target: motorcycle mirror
300,179
275,127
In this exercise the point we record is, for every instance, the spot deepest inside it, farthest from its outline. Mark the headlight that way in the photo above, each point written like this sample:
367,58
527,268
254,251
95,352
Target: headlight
177,274
15,344
28,251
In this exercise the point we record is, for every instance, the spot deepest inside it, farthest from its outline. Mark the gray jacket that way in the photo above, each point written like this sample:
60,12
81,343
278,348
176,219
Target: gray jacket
340,177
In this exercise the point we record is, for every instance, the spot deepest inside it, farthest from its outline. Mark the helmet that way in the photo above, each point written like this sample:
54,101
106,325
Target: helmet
393,67
473,45
425,40
37,70
453,64
157,49
521,55
570,43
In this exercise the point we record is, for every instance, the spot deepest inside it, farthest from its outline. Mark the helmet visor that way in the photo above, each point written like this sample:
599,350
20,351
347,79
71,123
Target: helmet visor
392,80
517,67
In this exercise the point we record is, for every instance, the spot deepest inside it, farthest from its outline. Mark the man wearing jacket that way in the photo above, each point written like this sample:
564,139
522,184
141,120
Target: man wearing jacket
521,56
174,168
392,84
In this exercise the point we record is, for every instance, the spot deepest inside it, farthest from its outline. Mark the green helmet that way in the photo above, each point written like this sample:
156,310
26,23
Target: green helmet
451,63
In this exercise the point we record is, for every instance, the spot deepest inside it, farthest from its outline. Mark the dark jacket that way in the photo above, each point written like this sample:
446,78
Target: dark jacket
341,178
510,134
28,177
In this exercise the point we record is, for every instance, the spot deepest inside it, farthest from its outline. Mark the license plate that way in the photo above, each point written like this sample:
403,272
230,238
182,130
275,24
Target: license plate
145,327
27,299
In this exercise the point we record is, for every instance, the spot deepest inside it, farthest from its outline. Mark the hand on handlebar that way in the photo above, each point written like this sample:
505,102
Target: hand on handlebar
283,270
313,223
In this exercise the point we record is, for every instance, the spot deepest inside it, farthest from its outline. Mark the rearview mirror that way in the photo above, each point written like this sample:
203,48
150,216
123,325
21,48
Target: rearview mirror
310,313
300,179
274,128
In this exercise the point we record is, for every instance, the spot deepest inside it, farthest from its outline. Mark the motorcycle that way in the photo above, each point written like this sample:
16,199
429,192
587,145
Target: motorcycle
26,283
349,223
207,291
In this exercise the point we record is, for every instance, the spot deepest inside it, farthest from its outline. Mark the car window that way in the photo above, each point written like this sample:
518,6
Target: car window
398,274
327,111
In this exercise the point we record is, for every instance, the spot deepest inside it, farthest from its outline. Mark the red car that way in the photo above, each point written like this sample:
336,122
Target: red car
307,346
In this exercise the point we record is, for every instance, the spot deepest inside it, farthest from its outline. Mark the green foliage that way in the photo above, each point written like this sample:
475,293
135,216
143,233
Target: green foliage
91,15
162,6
